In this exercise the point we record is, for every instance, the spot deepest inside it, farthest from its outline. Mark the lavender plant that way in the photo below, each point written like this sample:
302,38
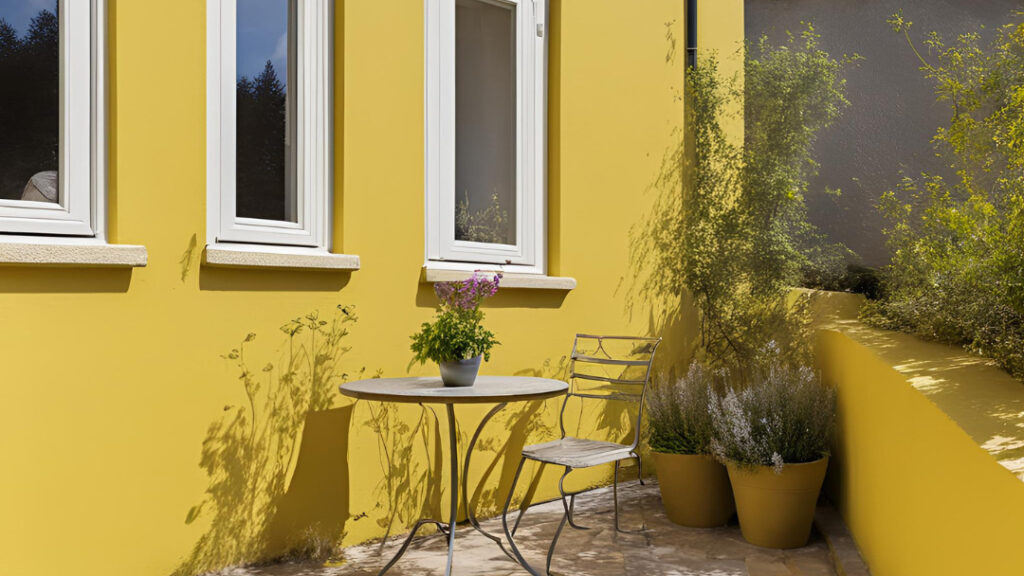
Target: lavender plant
457,332
678,417
783,416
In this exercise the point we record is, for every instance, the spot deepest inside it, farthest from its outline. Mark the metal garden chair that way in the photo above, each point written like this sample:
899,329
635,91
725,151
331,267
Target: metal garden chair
603,368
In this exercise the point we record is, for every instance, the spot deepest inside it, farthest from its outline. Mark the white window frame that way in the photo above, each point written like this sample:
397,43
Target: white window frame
82,168
310,87
529,255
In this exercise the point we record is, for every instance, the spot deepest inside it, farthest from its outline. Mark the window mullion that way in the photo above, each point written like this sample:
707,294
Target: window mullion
228,113
98,119
75,172
446,123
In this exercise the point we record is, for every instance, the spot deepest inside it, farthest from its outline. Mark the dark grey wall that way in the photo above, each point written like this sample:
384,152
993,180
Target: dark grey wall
893,113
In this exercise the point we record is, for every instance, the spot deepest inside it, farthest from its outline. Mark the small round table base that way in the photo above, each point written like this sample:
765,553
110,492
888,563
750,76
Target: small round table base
488,389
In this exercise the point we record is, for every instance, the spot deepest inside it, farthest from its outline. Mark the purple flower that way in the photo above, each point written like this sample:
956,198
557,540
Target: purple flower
467,294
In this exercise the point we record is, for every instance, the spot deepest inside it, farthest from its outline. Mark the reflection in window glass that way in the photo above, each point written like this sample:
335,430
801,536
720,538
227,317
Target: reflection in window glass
29,100
485,122
264,185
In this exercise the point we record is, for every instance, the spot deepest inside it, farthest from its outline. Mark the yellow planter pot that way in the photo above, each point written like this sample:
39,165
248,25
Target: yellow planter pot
777,510
694,489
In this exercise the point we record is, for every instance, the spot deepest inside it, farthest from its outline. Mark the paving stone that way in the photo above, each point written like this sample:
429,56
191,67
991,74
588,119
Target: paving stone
807,565
767,566
665,549
843,549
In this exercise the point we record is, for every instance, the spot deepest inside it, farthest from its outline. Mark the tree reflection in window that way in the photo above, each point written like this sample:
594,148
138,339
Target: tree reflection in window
261,155
29,102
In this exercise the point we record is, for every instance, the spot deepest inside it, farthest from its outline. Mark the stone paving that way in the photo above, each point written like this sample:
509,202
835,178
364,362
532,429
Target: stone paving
664,549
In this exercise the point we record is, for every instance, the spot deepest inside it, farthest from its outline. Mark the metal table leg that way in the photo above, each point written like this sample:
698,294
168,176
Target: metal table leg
453,446
465,482
408,540
449,528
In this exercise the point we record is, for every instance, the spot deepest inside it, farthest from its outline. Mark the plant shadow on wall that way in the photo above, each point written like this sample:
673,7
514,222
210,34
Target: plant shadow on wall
727,236
408,489
252,511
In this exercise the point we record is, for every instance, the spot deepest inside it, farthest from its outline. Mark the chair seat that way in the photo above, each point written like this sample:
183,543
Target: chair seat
577,452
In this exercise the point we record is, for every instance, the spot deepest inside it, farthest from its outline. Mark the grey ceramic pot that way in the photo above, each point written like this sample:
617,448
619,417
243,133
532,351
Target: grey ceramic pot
460,372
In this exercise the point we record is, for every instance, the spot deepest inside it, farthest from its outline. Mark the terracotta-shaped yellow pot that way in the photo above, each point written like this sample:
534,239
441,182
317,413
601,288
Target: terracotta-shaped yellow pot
777,510
694,489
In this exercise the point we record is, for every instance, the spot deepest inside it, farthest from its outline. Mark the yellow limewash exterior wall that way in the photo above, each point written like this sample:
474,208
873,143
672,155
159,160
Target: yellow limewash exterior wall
927,468
115,384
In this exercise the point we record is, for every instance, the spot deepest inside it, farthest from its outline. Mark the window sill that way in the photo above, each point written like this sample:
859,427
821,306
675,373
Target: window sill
276,257
508,279
71,254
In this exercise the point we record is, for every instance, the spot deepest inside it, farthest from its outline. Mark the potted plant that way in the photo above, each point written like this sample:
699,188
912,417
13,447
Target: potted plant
694,485
457,340
774,435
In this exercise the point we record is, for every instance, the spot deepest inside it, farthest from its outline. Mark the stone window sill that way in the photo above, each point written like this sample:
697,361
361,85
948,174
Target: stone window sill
277,257
71,254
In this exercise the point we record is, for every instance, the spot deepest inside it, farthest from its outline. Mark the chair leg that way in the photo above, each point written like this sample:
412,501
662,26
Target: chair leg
615,495
554,541
522,510
504,522
570,506
640,470
615,498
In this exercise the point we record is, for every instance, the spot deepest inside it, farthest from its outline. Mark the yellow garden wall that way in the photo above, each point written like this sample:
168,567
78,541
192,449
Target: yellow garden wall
114,389
927,470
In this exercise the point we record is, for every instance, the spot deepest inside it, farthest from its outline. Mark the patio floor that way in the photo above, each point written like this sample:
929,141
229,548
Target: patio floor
665,549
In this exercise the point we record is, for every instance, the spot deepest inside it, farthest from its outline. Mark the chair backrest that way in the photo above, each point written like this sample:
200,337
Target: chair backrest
611,368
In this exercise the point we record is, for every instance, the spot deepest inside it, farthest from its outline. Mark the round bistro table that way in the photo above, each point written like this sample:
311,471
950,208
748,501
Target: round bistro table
499,390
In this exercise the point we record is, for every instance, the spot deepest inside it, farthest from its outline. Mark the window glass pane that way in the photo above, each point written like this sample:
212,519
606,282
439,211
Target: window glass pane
485,122
264,186
29,100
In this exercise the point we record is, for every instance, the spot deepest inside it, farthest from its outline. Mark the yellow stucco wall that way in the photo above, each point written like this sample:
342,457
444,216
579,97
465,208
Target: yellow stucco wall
923,471
114,384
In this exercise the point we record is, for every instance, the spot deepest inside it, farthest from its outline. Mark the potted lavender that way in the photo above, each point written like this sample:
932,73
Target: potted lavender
456,339
774,434
694,486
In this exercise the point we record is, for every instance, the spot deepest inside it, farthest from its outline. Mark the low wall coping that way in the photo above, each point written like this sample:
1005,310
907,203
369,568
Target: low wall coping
982,398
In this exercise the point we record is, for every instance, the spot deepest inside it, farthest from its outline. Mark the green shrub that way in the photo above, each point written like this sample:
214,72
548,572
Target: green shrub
957,268
784,415
678,416
729,227
854,278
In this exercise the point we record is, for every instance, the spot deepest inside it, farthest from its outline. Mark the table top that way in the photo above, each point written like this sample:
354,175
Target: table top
430,390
